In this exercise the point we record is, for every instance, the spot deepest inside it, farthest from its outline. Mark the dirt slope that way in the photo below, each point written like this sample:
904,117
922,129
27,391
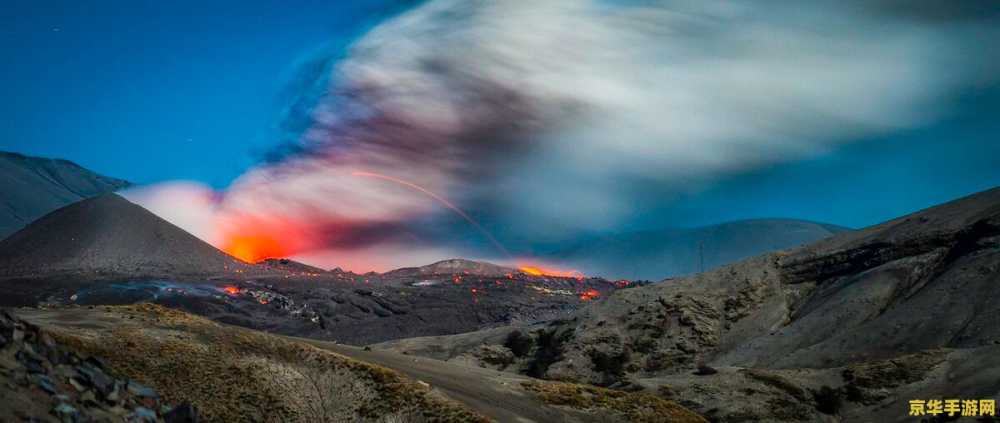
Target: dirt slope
109,237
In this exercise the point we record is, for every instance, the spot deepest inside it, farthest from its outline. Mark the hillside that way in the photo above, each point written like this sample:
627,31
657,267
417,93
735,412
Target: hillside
452,267
34,186
234,374
109,237
656,254
867,319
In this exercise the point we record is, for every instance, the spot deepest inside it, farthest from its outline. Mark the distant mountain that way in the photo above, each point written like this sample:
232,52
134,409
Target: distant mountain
288,265
657,254
34,186
109,237
453,267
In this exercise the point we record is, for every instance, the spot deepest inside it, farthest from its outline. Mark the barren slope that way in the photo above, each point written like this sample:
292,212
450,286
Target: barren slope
914,301
109,237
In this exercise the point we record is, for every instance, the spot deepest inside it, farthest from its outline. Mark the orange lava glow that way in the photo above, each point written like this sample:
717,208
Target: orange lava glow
589,294
253,248
535,270
231,290
255,238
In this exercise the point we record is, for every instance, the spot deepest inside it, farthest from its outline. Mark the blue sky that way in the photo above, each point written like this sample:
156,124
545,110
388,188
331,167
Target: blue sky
153,91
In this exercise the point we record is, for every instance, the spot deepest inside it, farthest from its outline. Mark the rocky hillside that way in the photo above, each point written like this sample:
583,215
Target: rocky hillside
853,326
656,254
34,186
109,237
44,380
234,374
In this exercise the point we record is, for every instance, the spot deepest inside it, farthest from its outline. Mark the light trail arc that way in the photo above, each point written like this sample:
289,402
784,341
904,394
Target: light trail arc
489,237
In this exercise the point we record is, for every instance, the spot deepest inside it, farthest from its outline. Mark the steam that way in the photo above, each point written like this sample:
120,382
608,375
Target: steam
542,118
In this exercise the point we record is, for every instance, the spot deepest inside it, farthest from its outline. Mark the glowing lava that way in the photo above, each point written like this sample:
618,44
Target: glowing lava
535,270
231,290
589,294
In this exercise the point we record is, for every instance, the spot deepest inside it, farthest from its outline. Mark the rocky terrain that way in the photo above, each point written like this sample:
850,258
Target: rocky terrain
848,328
34,186
845,329
233,374
44,380
348,308
106,250
656,254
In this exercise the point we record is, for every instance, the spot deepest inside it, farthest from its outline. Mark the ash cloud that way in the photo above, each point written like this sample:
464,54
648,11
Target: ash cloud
544,118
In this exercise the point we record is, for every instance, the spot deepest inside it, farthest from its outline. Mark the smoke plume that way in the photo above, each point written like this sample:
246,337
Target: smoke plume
518,123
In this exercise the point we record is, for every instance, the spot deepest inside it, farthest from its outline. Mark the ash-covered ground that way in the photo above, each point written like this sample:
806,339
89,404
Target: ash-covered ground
356,309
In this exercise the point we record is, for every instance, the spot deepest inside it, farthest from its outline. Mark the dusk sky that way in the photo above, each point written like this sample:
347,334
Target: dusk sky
584,116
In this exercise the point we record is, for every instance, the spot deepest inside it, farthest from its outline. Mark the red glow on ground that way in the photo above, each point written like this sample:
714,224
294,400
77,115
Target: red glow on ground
231,290
589,294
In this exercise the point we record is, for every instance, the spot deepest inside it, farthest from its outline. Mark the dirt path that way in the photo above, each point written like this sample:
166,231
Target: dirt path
498,395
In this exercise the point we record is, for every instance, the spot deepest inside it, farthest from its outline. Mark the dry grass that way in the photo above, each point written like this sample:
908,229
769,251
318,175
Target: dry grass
639,407
235,374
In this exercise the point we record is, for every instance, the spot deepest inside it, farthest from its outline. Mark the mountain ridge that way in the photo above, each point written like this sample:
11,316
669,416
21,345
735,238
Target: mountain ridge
655,254
34,186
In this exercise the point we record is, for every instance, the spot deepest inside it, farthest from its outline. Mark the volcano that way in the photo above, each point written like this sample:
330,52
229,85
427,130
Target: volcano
108,237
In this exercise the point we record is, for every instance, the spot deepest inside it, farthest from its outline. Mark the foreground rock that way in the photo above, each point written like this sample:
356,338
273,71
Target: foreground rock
235,374
44,380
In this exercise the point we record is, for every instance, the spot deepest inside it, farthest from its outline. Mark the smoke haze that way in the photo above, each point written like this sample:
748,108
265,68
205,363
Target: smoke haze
539,120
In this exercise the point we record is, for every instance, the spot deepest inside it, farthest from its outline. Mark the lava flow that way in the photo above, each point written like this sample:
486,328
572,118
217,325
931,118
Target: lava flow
535,270
589,294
